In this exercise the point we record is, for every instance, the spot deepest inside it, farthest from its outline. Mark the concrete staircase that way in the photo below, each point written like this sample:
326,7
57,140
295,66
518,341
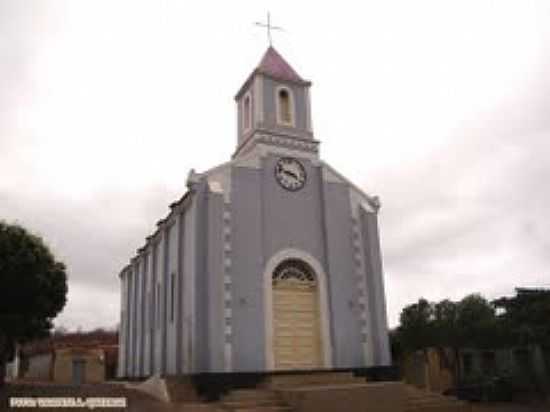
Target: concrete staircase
419,400
253,400
269,397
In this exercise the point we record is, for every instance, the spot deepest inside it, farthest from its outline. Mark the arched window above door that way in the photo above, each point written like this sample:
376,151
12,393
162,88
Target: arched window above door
294,270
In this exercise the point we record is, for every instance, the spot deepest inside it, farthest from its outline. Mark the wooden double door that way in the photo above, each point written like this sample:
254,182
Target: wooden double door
296,325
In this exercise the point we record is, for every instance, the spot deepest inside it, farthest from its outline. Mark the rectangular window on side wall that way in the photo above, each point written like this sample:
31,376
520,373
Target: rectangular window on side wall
172,295
158,306
246,113
149,306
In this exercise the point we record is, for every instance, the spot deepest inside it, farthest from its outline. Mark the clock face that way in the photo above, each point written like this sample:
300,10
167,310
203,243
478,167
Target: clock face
290,173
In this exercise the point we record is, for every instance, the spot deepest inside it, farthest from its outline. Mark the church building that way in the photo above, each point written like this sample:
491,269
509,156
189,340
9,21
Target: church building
268,262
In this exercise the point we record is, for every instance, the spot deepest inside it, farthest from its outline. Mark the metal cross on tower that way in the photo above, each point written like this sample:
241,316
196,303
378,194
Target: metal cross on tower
269,27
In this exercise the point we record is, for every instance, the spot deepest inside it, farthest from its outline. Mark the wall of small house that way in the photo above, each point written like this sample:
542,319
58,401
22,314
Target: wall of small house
94,365
425,370
39,367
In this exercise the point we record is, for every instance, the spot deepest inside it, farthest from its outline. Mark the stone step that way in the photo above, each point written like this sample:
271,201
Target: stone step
242,394
453,407
251,400
428,402
265,409
249,403
428,398
285,380
420,393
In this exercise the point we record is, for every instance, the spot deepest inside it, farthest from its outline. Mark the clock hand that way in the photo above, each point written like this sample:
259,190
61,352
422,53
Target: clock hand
289,173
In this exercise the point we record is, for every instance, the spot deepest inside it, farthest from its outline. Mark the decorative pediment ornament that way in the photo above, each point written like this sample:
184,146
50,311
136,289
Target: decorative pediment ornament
193,178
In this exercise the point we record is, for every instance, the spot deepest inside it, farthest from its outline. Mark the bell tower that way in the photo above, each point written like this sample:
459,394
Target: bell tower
273,108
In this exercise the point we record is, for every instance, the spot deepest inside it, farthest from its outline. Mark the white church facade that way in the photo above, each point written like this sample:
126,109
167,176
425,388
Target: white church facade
269,262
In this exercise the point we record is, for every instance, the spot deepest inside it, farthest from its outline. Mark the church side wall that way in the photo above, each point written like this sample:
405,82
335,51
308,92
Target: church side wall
153,307
375,289
347,349
156,331
139,333
143,310
188,290
127,276
147,305
121,367
246,303
179,315
171,297
132,334
159,312
164,296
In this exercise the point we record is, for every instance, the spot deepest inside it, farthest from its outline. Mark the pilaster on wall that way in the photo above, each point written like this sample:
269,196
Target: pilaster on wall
180,314
361,296
228,332
220,182
122,331
367,274
375,285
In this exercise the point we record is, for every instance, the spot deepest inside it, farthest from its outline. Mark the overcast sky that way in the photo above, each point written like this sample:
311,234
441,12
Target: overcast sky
442,108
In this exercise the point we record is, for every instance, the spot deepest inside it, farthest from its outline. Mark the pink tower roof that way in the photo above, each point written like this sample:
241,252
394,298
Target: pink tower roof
273,65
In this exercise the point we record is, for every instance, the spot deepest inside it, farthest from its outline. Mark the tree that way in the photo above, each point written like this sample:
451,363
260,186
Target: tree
33,287
415,331
526,316
476,323
447,325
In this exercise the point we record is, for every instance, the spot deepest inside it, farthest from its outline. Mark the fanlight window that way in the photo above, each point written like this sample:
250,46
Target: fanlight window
285,109
293,270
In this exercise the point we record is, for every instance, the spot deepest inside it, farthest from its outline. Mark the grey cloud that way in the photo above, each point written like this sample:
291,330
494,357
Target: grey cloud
472,217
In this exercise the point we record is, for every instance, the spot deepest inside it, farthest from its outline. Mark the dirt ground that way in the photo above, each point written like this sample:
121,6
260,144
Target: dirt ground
136,400
141,402
509,407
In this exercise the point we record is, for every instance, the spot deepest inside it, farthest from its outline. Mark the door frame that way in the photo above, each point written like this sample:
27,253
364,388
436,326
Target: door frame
80,365
324,318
